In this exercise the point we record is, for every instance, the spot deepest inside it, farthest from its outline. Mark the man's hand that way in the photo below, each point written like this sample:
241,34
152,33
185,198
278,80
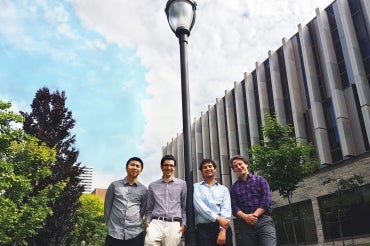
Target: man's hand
250,219
223,222
221,238
182,229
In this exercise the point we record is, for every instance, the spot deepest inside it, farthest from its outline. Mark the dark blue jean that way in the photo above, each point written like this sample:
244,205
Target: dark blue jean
137,241
261,234
207,234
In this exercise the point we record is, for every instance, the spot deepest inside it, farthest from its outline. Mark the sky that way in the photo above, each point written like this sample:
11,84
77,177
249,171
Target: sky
119,64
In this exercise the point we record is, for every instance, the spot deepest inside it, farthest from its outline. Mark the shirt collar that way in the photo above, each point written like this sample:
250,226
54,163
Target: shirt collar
125,182
172,180
204,183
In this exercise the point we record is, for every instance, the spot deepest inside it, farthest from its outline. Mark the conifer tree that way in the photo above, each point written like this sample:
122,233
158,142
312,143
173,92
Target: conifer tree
51,122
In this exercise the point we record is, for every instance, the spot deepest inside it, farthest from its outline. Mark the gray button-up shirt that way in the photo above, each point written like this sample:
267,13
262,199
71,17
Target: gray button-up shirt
124,207
167,199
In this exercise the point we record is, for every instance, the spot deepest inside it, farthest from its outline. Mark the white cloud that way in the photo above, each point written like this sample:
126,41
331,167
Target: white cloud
228,38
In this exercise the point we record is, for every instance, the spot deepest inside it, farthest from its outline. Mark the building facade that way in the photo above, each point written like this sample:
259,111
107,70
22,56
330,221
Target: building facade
86,179
318,81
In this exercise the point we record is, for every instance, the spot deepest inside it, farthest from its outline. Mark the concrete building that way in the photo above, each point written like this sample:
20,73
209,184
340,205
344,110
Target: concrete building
87,179
99,192
319,82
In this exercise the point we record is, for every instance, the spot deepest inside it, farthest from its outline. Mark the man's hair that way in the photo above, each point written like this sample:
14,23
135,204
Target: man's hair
168,157
237,157
207,161
135,159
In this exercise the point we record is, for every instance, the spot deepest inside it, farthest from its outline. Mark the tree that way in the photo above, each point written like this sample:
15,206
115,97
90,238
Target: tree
282,159
51,122
23,161
90,225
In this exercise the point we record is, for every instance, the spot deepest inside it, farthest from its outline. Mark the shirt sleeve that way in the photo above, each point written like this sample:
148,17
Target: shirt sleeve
150,204
201,207
234,204
108,202
266,194
143,203
226,205
183,203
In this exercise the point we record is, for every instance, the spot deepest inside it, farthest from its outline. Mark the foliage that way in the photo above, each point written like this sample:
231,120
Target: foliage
281,158
24,161
90,225
51,122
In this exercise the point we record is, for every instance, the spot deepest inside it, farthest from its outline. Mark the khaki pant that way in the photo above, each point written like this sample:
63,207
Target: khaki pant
164,233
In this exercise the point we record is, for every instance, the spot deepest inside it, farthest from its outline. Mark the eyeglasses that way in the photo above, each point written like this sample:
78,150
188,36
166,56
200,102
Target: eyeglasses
168,165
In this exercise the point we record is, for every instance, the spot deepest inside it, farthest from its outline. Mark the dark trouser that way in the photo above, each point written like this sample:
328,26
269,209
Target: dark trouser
261,234
136,241
207,234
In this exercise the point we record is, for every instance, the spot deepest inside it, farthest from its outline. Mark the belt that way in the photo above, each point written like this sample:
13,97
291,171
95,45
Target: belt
175,219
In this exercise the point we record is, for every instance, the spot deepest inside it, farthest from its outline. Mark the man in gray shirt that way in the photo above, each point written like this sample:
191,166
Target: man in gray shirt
124,207
166,215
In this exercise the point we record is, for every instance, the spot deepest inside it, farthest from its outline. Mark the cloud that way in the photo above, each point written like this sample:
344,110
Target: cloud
228,38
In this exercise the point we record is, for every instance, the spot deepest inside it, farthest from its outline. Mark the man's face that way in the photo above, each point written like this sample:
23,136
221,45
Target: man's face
208,170
239,167
133,169
168,168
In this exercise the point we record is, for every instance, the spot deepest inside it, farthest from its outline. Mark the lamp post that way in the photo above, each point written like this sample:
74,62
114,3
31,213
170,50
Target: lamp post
181,17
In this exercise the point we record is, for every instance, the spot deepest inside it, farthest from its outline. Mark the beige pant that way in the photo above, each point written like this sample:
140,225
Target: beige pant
163,233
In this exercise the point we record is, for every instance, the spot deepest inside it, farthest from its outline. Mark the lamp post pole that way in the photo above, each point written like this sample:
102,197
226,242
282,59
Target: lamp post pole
181,17
190,230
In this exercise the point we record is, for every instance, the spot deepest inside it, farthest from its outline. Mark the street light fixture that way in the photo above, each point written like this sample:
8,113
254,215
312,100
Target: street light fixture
181,17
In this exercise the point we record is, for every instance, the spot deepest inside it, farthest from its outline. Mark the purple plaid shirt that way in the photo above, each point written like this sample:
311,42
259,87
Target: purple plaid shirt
251,194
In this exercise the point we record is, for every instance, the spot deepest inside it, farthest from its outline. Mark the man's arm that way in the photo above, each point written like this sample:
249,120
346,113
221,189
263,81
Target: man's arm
184,191
108,201
150,205
200,206
143,203
225,217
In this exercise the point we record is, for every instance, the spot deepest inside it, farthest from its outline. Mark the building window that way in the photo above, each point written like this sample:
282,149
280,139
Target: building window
303,221
316,57
270,95
346,214
332,128
307,92
246,114
285,88
362,34
361,117
337,47
257,102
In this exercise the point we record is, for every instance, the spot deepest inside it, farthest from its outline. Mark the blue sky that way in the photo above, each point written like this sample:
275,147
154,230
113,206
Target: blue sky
118,62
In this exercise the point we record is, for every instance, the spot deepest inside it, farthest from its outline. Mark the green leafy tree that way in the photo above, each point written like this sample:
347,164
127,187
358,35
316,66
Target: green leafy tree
90,225
282,159
23,162
51,122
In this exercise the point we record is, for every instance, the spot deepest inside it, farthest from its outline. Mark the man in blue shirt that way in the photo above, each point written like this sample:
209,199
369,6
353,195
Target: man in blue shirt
251,201
124,207
212,208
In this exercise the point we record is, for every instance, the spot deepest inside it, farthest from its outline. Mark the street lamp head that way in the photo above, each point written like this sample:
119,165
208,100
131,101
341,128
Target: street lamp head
181,15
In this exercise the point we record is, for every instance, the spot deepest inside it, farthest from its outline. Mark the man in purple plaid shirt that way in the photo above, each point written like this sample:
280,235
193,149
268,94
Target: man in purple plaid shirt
250,202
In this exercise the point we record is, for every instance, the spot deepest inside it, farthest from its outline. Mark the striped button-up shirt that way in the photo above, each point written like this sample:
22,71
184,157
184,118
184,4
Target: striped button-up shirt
167,199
